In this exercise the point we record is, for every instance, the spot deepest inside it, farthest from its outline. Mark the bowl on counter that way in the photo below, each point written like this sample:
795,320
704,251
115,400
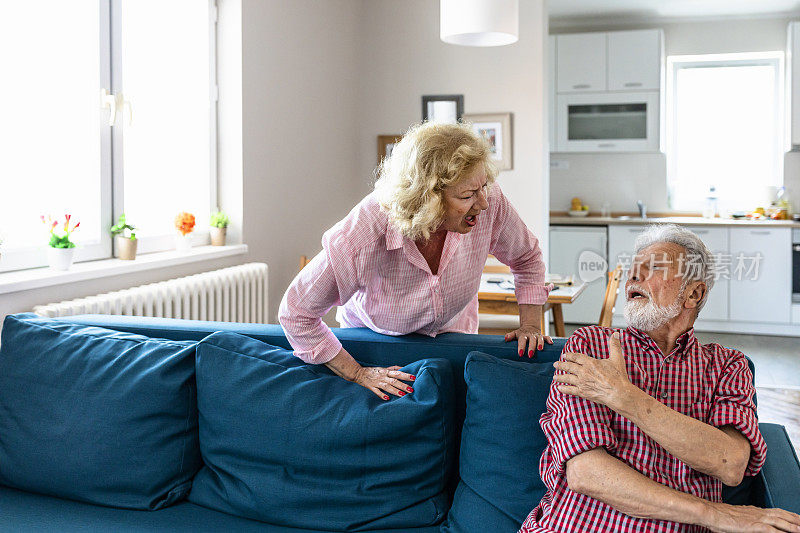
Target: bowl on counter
578,213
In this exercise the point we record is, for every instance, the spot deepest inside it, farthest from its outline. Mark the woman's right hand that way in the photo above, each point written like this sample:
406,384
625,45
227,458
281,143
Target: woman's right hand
375,378
384,380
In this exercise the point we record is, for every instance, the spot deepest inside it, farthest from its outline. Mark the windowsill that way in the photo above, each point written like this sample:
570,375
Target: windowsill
35,278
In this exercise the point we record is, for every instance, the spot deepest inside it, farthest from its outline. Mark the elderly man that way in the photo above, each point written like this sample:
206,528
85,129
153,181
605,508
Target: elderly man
645,425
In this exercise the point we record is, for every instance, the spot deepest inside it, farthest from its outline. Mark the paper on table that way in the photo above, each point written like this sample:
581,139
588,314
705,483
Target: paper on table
558,279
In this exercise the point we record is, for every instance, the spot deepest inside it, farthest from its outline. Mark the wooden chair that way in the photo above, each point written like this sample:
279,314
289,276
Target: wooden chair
612,289
304,261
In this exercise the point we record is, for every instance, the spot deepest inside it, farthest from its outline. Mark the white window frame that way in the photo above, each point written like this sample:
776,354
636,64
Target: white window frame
166,240
774,59
111,143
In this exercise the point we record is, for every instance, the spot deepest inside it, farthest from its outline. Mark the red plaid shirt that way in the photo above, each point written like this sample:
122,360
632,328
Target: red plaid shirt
707,382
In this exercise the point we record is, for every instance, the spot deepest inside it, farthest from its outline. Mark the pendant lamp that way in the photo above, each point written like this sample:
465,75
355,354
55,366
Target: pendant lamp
479,22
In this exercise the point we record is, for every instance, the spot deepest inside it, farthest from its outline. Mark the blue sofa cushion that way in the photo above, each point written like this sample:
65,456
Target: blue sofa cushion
501,441
295,445
96,415
470,514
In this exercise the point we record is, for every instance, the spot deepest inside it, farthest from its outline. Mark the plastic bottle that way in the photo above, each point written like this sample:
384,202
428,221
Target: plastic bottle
710,209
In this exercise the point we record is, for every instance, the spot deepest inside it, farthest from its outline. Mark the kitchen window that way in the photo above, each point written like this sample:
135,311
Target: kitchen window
108,106
725,128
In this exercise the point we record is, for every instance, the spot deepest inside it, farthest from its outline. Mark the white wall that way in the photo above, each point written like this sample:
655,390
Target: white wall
403,59
621,179
300,75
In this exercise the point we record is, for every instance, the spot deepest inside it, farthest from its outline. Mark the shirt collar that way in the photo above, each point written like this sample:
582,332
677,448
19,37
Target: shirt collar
684,343
394,239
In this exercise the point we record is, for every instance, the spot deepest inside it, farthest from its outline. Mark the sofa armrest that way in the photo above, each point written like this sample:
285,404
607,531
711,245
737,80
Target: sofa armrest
781,470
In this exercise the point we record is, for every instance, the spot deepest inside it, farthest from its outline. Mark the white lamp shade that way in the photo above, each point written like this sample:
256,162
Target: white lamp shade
479,22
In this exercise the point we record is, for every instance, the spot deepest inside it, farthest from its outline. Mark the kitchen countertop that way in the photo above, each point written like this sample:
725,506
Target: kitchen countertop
684,221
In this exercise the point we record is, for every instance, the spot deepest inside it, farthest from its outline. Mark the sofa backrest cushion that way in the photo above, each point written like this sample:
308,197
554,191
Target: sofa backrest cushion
501,440
295,445
96,415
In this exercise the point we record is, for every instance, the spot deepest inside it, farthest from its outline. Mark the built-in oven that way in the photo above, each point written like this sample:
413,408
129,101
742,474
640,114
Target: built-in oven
796,265
608,122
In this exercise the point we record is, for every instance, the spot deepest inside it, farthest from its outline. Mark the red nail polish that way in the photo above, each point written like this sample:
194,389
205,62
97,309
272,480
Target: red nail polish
530,353
401,393
413,378
385,397
410,389
520,353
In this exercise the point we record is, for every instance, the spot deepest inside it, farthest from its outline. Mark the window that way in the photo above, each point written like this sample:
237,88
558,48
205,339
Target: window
725,128
67,66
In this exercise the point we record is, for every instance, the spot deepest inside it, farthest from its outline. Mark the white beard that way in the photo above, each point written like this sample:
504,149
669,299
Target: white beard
647,316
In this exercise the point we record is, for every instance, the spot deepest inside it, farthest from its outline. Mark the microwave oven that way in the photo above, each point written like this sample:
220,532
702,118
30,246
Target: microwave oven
608,122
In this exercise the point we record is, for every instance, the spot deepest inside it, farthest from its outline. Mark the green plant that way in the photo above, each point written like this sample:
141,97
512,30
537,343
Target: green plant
121,226
220,220
60,241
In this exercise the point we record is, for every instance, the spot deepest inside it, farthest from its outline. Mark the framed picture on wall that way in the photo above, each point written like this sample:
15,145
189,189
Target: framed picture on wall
386,145
496,129
447,108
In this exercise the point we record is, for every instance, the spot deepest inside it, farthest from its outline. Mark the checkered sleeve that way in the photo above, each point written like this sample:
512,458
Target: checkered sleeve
733,405
571,424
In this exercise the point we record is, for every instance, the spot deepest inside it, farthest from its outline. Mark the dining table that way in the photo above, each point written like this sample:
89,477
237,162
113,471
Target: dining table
496,297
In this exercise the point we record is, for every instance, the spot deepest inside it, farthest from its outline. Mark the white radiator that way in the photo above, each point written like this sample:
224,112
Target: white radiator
234,294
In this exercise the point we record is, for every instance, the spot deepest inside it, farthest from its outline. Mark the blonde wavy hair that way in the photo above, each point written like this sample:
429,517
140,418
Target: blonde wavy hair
431,156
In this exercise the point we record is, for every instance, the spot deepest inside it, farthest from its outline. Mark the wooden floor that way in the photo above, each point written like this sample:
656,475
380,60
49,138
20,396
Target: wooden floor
781,406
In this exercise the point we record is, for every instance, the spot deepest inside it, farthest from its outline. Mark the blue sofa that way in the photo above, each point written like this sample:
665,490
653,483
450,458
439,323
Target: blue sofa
778,485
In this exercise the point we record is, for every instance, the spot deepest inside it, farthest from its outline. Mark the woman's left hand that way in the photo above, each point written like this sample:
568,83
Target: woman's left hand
529,339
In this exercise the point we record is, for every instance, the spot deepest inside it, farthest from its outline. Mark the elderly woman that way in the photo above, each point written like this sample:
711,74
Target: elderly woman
408,258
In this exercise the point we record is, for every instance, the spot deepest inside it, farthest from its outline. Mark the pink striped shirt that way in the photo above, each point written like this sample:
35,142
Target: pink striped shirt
383,282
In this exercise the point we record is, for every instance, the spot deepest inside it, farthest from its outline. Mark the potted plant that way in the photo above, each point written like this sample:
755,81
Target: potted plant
184,223
219,227
60,252
125,245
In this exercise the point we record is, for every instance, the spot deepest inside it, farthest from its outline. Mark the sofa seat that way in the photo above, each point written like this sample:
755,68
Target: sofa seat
24,512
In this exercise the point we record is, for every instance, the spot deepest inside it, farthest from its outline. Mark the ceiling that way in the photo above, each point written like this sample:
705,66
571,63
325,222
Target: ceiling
669,9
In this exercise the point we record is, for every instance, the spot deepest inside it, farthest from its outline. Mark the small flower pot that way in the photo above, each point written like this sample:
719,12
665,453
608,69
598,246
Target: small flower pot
183,243
60,258
218,236
126,248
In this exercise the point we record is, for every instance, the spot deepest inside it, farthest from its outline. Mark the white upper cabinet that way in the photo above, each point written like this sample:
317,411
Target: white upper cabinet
634,60
793,66
581,62
551,90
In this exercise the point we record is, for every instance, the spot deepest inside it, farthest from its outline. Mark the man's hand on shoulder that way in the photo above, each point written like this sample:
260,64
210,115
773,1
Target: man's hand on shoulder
603,381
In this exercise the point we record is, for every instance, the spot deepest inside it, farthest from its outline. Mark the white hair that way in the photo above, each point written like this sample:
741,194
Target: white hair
699,263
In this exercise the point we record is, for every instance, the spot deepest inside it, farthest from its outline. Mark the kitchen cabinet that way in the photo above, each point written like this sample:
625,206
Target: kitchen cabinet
567,244
551,90
760,272
610,61
793,68
581,62
634,60
608,94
